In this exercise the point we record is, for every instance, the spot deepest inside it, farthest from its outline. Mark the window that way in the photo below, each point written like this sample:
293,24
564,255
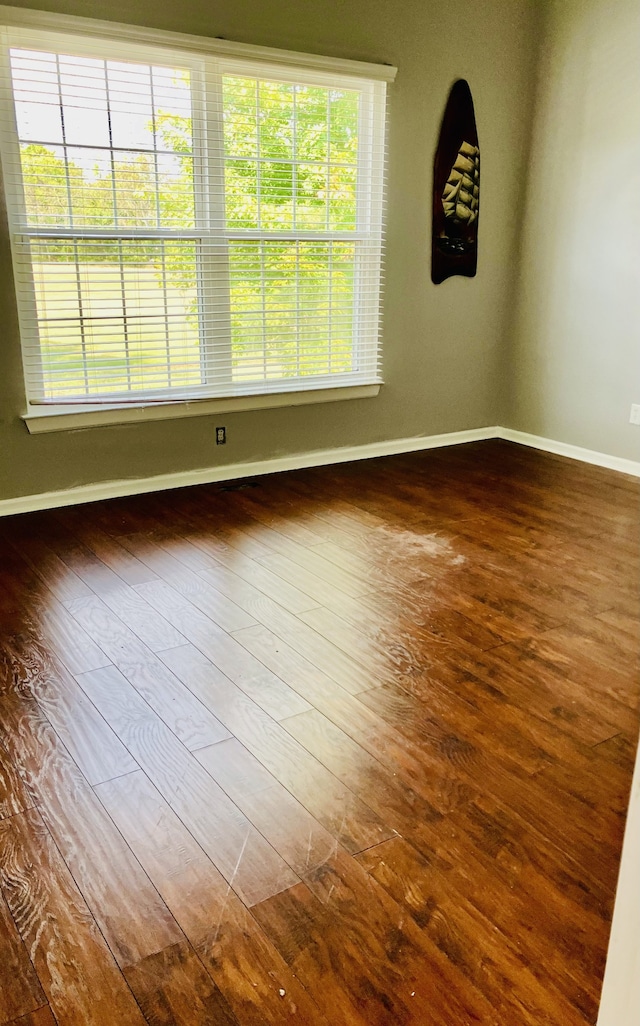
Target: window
189,224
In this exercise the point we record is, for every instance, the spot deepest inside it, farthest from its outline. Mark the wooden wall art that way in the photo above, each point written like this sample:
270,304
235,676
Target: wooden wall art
456,189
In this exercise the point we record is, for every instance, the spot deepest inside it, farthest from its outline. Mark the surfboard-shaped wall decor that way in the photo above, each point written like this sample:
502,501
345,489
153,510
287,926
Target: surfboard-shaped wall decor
456,189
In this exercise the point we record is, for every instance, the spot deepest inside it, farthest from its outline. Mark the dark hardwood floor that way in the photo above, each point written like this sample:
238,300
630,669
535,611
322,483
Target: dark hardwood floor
349,746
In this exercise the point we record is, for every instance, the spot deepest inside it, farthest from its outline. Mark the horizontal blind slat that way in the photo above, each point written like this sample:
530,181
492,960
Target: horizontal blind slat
186,226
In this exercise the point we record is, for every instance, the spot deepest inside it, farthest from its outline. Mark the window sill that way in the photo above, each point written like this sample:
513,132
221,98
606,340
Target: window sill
73,418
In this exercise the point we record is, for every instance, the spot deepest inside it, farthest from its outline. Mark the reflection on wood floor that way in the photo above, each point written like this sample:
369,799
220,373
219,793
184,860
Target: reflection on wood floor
350,745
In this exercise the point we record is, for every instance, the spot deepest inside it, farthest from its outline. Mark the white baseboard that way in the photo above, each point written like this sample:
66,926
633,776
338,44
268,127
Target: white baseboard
573,452
298,461
231,471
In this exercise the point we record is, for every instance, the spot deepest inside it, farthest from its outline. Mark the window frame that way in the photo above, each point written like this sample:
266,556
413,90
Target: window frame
208,60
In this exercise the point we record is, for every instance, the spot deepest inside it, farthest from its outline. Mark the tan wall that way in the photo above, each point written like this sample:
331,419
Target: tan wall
444,366
576,353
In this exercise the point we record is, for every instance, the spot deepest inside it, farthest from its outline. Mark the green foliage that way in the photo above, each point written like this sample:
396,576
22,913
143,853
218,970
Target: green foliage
268,125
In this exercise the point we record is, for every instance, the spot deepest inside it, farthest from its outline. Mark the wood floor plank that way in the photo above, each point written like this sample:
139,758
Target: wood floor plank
430,777
592,715
42,1017
334,511
538,745
351,675
383,661
280,540
505,674
82,521
559,587
239,577
14,610
467,938
229,534
241,574
223,611
620,751
241,854
398,804
573,651
21,992
26,535
340,548
271,542
501,842
148,520
15,793
623,622
270,693
561,820
300,577
145,622
153,630
177,538
84,563
258,505
383,790
91,742
510,882
244,964
297,670
294,833
189,720
60,934
361,958
384,627
66,639
130,914
331,802
173,988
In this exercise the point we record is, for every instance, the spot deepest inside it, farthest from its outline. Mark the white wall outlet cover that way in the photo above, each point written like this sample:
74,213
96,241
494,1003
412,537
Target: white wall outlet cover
634,417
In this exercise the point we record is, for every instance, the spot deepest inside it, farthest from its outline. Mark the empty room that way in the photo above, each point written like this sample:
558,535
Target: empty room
319,513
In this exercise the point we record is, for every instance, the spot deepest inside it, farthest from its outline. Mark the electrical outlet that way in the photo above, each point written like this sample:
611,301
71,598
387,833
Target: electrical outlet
221,435
635,413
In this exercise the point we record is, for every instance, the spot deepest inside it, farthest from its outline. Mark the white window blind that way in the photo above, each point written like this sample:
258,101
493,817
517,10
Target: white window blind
189,225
